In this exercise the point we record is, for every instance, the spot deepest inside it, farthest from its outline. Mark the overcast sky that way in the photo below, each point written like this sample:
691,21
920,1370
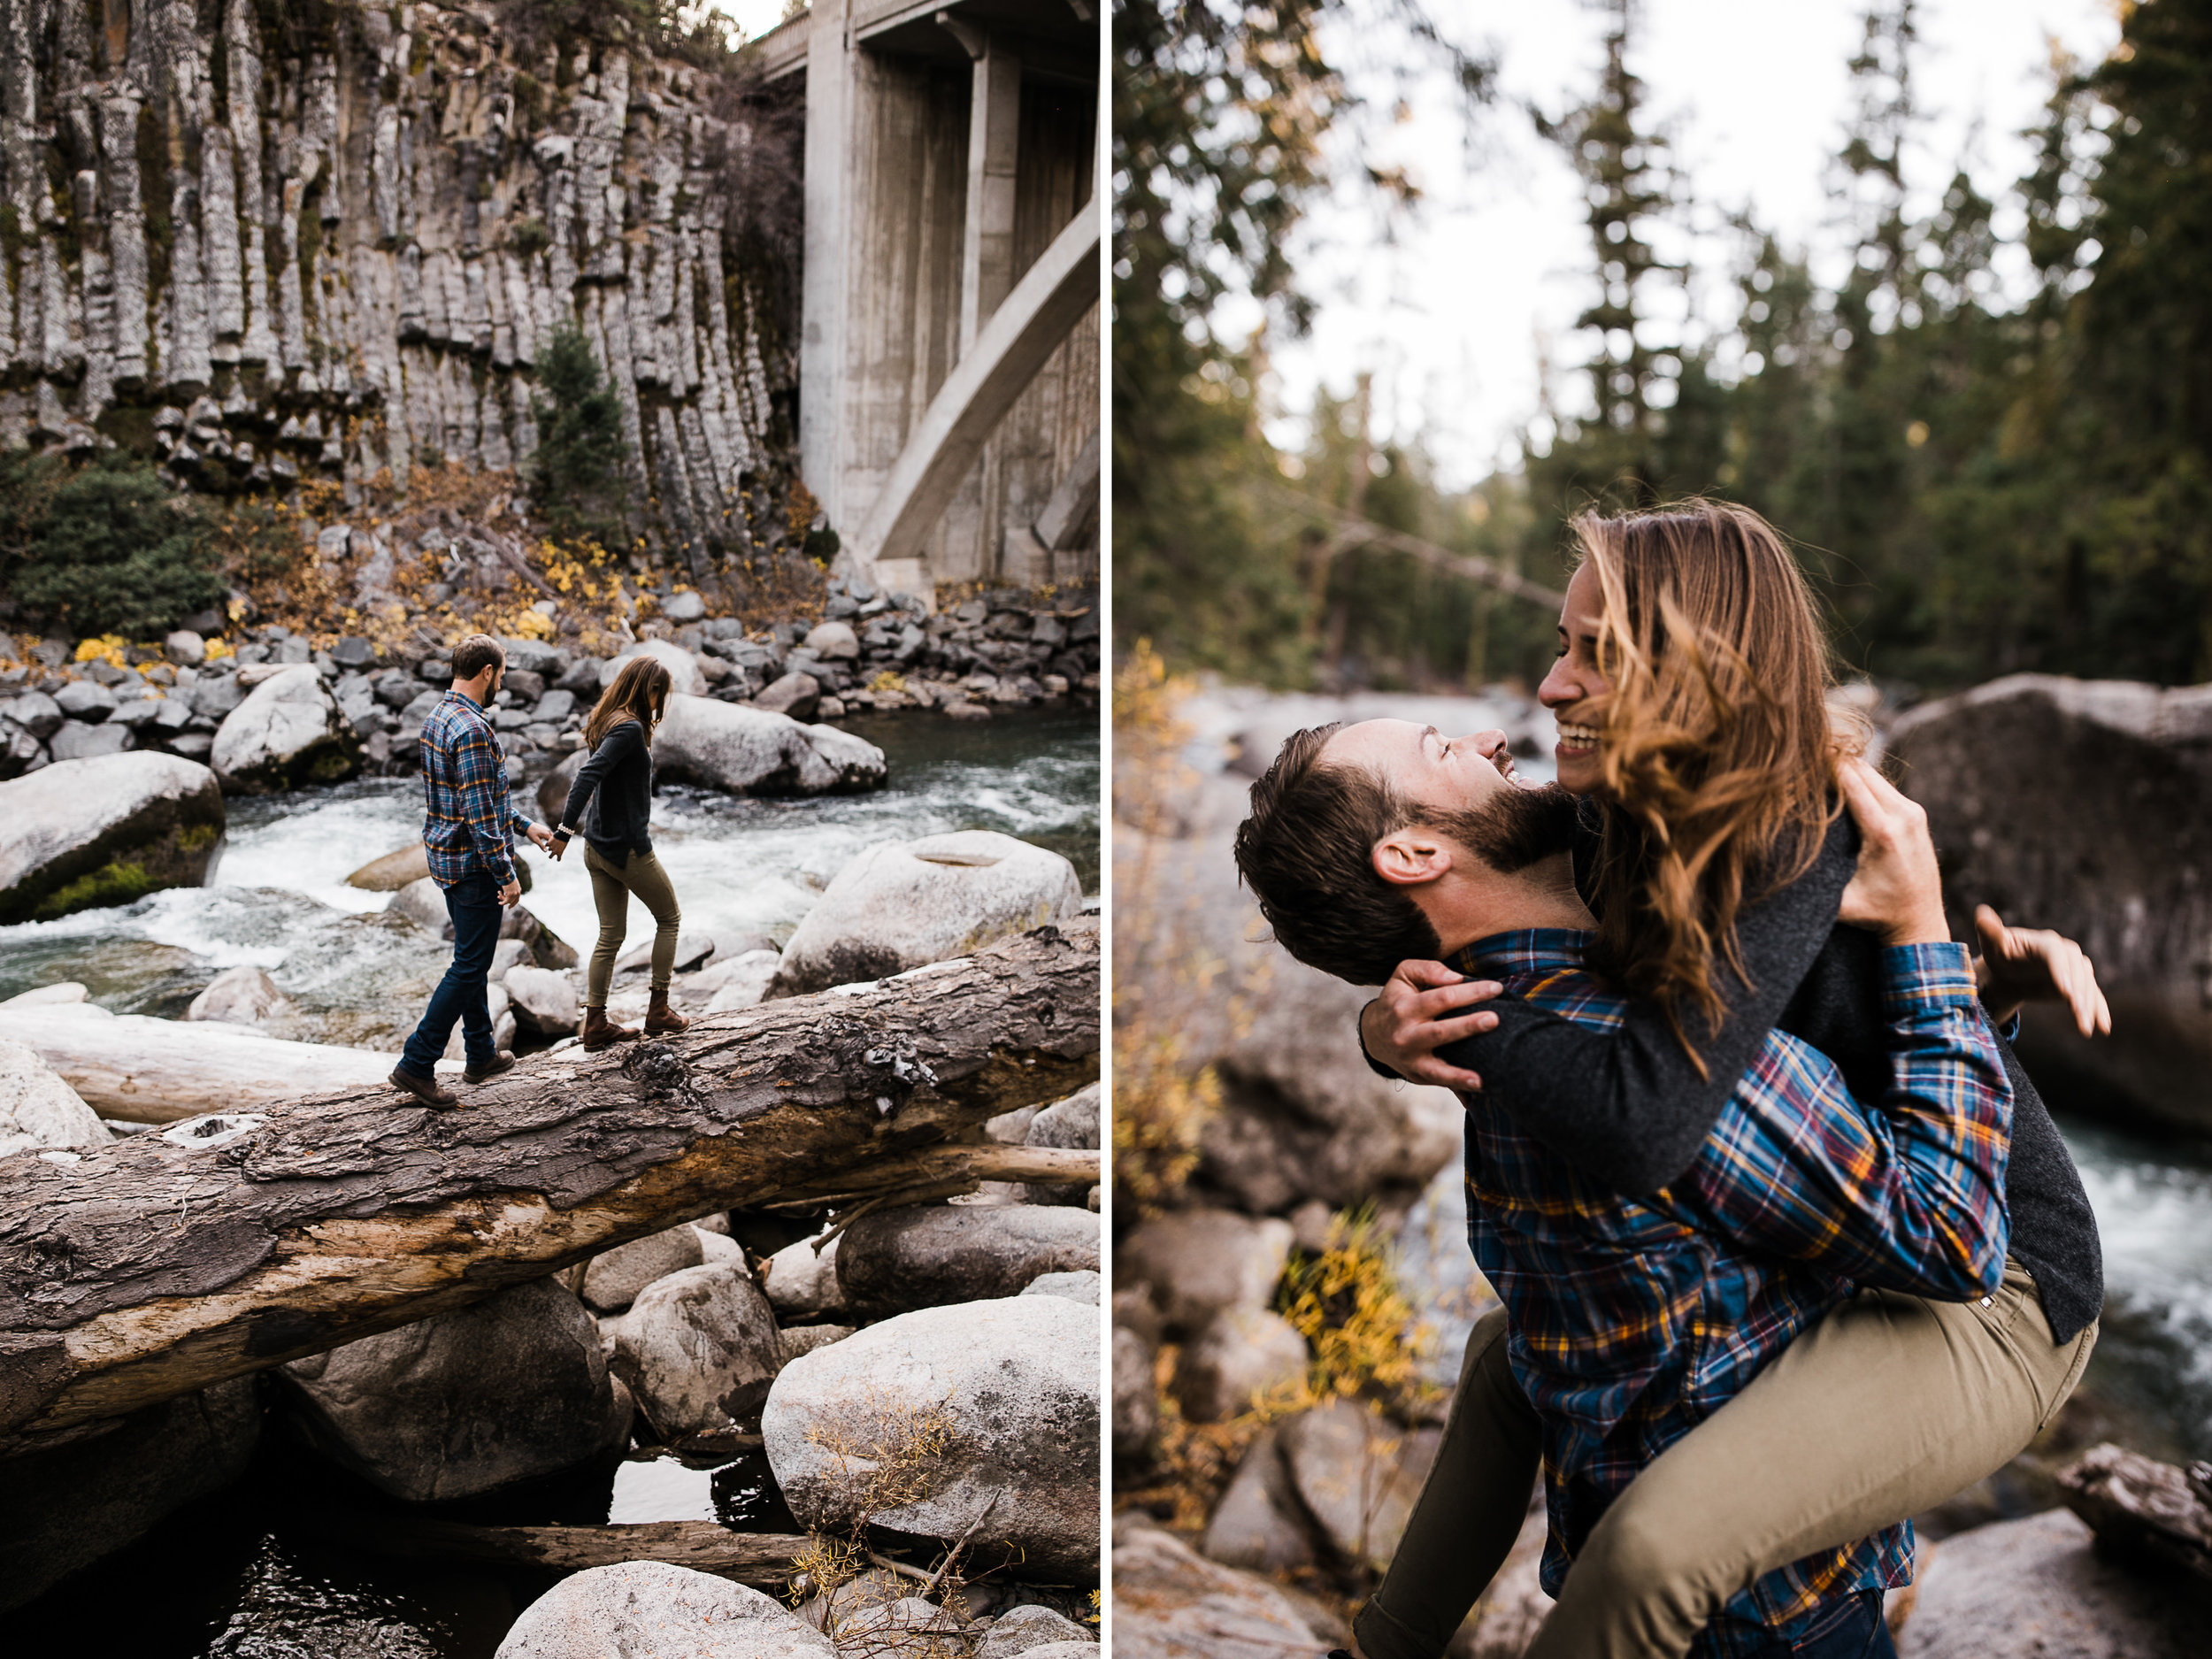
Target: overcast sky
1452,318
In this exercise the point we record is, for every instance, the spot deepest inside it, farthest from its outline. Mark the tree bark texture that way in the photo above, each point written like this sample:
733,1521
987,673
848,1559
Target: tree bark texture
764,1560
2142,1508
173,1260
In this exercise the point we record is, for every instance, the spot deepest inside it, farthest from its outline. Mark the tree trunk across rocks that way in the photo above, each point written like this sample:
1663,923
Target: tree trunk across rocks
228,1244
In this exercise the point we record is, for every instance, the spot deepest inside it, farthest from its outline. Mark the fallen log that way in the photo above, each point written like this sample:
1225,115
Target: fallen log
2142,1508
169,1261
763,1560
148,1070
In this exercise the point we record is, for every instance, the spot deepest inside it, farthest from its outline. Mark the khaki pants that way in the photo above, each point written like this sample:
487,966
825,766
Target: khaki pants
1886,1408
610,891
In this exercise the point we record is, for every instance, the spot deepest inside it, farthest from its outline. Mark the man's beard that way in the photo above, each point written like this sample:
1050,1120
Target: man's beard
1515,827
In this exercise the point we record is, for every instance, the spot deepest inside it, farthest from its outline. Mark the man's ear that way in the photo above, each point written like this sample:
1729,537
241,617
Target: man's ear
1411,857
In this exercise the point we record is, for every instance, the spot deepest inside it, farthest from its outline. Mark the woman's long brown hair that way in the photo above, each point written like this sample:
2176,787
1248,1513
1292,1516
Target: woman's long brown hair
1717,755
639,692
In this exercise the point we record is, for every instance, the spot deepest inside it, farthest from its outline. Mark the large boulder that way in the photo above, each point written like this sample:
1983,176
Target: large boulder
394,870
902,904
544,1000
1013,1385
1357,1474
66,1507
1300,1114
1198,1263
683,667
925,1255
655,1608
510,1387
1031,1630
38,1109
1170,1602
1246,1352
2037,1589
289,730
799,1280
751,751
2120,860
698,1349
86,832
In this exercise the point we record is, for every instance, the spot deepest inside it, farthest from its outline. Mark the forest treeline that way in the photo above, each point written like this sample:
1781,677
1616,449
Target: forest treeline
1978,486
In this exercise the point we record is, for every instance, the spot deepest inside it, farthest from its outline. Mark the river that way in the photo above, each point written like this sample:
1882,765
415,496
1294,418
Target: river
250,1573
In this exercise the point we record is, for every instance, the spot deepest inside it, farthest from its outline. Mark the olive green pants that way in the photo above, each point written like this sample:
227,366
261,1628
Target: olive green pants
610,891
1887,1407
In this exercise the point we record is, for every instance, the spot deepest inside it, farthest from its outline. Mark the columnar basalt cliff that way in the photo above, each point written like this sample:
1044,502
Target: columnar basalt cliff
274,241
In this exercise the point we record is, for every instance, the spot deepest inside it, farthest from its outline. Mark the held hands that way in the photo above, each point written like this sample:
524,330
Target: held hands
556,844
1422,1007
2029,964
540,837
1898,892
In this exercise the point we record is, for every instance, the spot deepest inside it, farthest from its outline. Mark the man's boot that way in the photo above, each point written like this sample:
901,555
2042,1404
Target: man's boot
660,1019
429,1090
602,1033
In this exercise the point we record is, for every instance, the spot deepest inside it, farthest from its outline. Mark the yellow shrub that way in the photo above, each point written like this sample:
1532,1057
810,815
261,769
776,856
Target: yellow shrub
107,647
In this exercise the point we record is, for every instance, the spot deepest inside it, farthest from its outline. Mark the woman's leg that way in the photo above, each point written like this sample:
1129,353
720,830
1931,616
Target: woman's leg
1887,1407
650,883
1470,1511
611,898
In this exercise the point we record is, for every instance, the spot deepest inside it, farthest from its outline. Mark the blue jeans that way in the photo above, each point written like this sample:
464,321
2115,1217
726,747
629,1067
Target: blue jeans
474,903
1854,1629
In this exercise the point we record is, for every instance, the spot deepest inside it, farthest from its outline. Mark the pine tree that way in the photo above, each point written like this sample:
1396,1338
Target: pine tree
576,473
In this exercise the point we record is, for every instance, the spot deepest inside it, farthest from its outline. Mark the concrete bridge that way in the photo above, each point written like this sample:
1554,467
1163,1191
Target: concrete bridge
949,378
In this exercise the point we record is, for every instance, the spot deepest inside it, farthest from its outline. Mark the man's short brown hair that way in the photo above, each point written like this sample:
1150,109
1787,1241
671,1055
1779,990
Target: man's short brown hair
475,654
1307,852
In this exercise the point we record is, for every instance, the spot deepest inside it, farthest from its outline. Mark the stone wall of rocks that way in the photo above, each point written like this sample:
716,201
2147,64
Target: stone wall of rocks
324,243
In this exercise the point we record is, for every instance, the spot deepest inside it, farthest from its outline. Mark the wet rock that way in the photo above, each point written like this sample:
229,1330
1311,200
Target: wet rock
243,995
62,993
1081,1286
1024,1630
1015,1382
288,732
683,668
544,1001
796,694
65,1508
698,1349
553,788
751,751
2037,1589
37,1108
77,741
800,1282
1357,1474
904,904
394,870
670,1612
1203,1263
1259,1522
85,832
1170,1602
422,901
508,1388
926,1256
1243,1353
613,1280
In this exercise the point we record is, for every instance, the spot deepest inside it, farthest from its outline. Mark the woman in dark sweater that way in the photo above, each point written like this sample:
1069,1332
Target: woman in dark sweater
1688,695
610,801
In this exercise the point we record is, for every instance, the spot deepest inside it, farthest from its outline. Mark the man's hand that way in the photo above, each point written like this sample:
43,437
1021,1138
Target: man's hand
1898,891
508,893
2031,964
542,837
1420,1010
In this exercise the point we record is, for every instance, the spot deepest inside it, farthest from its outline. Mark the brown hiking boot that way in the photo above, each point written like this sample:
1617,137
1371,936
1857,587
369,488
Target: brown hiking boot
501,1062
602,1033
429,1090
662,1020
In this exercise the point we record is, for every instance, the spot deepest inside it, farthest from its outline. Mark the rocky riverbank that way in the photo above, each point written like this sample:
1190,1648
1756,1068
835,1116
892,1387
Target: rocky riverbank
908,1390
1292,1287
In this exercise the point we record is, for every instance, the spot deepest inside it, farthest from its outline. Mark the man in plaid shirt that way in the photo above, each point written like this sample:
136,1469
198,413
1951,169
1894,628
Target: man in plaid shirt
1632,1320
468,833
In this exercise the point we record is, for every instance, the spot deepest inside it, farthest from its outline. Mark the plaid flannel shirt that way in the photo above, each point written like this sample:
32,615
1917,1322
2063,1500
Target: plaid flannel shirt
1633,1319
470,819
